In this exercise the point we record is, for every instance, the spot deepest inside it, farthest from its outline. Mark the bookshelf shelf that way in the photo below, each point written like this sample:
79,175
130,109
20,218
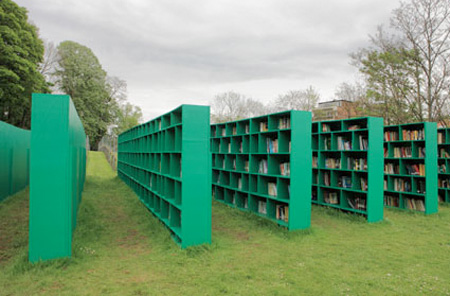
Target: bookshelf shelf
347,165
254,161
411,166
444,164
166,162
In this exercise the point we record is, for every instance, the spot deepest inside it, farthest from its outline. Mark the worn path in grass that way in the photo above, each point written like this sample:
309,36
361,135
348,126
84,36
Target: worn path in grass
121,249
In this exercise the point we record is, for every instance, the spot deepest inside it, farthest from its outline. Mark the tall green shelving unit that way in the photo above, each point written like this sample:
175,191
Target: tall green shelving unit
348,165
263,165
167,162
444,164
411,167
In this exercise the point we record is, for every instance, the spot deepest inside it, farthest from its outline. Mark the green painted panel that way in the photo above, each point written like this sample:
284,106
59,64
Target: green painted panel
57,175
356,184
263,165
14,159
421,149
166,161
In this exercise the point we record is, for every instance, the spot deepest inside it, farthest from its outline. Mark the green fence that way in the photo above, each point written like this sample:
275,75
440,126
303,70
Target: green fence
14,159
57,174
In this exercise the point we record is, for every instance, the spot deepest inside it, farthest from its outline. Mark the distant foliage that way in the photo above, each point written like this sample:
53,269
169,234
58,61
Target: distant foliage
231,105
21,51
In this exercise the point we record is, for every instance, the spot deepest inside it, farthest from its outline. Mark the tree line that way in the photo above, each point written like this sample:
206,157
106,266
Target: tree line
30,65
404,73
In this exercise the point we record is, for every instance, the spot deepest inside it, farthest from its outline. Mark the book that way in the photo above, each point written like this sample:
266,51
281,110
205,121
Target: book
285,168
263,126
404,152
272,145
441,138
223,132
234,130
272,188
314,162
326,178
247,128
327,143
263,166
246,167
326,127
262,208
363,184
354,127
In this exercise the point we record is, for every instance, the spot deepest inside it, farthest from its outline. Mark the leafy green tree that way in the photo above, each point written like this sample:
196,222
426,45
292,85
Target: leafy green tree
127,117
391,91
21,51
81,76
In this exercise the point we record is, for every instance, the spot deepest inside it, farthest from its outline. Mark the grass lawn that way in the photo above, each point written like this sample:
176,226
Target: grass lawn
121,249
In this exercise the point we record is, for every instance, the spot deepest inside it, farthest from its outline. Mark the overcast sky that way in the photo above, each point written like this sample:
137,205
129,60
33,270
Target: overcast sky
185,52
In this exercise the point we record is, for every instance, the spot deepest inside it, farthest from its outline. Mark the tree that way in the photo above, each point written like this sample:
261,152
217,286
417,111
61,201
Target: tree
306,100
128,117
21,51
81,76
230,106
425,24
407,73
50,62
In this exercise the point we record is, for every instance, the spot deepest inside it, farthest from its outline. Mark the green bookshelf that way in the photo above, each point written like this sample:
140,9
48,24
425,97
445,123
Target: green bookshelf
254,161
444,164
411,167
167,162
348,165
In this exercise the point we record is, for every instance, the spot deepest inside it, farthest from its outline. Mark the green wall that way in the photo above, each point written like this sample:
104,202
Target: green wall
14,159
57,174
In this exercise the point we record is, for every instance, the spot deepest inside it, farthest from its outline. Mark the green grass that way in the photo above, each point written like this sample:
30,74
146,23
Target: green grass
121,249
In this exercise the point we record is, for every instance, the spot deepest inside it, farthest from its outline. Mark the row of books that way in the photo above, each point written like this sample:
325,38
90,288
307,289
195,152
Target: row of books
326,179
413,135
363,142
285,169
345,182
331,197
415,204
402,185
391,168
391,201
402,152
415,169
326,127
284,122
442,168
357,164
272,145
344,143
332,163
390,136
282,212
357,203
441,138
